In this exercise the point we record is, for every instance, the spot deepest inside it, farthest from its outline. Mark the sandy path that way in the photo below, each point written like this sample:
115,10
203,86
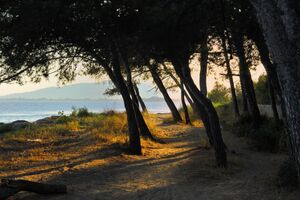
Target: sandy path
181,170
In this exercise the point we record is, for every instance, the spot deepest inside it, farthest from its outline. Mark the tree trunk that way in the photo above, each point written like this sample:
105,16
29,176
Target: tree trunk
247,80
245,102
197,107
178,84
134,134
203,67
229,74
185,108
280,27
118,80
162,89
270,68
142,103
183,71
144,130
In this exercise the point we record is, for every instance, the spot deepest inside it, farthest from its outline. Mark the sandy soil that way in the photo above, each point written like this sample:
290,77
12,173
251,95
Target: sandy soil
183,168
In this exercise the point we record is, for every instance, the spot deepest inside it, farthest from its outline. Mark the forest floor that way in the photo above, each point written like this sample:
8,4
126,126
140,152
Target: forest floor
183,168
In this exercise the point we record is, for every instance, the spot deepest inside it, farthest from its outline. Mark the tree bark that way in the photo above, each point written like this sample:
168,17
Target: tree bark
178,84
225,38
247,81
185,108
280,27
144,130
245,102
270,68
162,89
117,78
230,78
183,71
142,103
197,107
203,67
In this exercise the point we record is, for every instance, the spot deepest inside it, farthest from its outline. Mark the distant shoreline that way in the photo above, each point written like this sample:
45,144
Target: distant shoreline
66,99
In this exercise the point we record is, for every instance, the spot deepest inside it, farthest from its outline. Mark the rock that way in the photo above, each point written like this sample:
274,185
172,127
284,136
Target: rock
47,120
19,124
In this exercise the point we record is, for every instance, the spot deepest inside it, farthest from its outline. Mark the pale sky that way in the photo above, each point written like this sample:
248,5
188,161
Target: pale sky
52,82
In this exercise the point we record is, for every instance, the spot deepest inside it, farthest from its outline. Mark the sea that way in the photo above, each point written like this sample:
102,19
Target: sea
32,110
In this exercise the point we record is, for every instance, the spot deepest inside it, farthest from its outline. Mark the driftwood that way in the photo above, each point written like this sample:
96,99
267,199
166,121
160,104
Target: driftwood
10,187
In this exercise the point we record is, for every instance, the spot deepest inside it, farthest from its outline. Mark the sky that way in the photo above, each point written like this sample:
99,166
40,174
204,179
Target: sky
213,76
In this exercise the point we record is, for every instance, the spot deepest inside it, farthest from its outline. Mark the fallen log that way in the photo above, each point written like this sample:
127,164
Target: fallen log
7,192
10,187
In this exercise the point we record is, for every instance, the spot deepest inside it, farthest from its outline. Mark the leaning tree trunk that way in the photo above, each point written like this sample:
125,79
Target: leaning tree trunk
247,80
183,71
225,38
138,95
185,108
270,68
118,80
280,26
162,89
144,130
116,76
203,67
230,78
134,136
178,84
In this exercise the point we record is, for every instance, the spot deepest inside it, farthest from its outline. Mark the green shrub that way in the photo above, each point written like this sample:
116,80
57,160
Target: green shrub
4,128
219,94
63,119
270,136
243,126
80,112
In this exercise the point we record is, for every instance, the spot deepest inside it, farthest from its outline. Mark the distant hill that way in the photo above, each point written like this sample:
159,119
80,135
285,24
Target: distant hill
91,91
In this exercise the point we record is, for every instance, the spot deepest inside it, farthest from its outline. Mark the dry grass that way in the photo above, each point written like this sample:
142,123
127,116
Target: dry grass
72,142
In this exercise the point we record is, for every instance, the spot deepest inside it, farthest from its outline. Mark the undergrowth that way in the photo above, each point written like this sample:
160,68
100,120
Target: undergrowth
269,137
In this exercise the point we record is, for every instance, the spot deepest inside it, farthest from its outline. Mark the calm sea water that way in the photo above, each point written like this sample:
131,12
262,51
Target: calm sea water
31,110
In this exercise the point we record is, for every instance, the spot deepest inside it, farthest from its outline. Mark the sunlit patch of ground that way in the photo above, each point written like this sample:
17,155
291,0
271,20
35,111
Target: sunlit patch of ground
95,166
39,156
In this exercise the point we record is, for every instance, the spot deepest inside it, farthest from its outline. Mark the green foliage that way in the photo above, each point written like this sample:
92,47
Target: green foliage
262,90
80,112
63,119
219,94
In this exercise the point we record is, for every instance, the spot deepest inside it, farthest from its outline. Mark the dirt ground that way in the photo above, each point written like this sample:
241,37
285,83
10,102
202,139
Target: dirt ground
183,168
